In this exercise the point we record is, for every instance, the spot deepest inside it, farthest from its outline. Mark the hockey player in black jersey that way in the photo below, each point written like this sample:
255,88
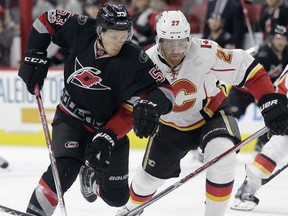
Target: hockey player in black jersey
110,85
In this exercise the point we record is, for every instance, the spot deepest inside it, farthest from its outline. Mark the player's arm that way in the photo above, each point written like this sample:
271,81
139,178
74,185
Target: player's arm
33,70
238,67
121,121
146,108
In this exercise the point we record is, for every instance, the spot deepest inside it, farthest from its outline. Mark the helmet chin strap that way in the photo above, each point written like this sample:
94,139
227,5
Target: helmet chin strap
99,43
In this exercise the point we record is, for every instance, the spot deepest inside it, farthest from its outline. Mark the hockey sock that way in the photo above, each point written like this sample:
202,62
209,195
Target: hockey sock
142,188
43,201
219,177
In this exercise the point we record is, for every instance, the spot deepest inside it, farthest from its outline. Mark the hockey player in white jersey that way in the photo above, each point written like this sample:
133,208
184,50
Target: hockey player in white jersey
201,116
274,151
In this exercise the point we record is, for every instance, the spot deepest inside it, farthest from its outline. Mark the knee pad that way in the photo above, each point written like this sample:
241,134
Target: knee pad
276,148
68,169
115,196
145,184
223,170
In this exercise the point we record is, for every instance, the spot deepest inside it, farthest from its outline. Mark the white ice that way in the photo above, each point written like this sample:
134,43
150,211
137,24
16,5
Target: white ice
26,165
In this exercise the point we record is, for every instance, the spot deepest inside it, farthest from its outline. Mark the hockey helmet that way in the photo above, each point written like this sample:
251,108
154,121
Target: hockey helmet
172,25
114,17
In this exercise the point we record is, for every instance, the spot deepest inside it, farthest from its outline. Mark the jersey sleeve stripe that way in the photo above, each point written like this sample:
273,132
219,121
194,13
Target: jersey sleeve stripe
250,73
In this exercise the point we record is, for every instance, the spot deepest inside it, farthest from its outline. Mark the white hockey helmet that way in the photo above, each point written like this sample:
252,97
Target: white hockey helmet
172,25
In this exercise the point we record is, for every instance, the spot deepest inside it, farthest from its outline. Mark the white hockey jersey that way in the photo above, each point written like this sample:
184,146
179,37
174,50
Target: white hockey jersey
195,80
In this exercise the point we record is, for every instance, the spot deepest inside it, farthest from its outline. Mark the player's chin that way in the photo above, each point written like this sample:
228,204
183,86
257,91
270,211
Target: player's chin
114,52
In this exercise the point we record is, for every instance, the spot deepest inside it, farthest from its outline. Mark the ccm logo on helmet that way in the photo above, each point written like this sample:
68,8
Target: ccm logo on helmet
268,104
36,60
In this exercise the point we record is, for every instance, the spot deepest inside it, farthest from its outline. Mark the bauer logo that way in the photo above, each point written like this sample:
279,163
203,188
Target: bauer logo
118,178
71,144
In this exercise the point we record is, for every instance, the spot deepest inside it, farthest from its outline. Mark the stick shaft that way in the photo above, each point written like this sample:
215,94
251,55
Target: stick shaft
51,154
196,172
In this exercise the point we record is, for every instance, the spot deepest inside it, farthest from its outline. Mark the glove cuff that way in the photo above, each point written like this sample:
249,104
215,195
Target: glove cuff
39,52
147,103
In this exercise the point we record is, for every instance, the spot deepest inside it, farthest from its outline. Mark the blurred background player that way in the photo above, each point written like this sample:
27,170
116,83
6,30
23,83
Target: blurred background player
264,162
91,8
273,55
217,32
143,19
201,114
274,12
232,15
7,32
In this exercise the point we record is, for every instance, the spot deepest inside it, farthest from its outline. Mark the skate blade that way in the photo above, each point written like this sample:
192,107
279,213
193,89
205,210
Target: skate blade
243,205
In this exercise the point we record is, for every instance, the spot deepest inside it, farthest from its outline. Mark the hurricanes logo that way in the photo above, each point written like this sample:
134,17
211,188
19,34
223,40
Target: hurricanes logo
87,78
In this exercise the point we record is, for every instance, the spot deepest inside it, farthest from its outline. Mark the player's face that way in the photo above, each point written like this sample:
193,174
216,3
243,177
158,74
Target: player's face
92,11
214,24
174,50
279,42
113,41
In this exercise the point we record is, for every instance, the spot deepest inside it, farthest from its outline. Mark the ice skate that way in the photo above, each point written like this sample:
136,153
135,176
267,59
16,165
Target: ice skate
245,199
124,211
88,183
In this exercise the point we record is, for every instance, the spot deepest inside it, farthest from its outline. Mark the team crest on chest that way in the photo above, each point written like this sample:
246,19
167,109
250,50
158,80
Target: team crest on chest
86,77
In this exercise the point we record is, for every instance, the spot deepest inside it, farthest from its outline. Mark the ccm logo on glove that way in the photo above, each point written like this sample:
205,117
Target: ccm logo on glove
35,60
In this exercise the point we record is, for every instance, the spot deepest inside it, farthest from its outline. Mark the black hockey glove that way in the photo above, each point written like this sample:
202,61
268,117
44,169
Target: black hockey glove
99,150
274,108
146,116
34,68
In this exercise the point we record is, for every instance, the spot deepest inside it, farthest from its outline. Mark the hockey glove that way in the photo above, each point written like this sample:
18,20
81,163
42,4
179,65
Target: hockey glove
274,108
145,118
99,150
34,68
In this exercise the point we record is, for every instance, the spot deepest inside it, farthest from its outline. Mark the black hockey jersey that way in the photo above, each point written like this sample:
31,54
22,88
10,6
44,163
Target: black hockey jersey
271,62
96,84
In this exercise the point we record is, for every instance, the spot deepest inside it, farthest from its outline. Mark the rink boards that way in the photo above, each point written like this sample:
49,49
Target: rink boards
20,123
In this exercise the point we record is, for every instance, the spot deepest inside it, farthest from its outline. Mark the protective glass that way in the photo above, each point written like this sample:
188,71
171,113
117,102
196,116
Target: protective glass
115,36
175,46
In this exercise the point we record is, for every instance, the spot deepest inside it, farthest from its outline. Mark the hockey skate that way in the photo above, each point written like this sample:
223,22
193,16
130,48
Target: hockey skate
245,199
124,211
88,183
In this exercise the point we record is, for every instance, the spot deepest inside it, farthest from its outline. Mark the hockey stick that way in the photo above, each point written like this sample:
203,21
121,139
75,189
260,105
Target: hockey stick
171,188
13,211
51,154
265,181
248,24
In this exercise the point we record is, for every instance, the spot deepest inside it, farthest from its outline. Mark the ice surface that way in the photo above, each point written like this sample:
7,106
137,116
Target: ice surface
26,165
